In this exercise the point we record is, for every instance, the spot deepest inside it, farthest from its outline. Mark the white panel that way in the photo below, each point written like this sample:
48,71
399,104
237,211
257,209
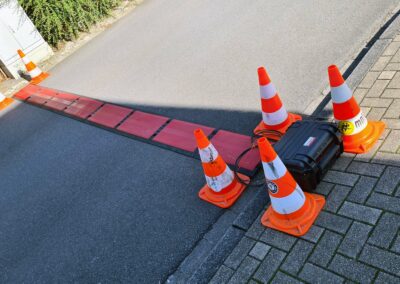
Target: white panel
16,32
8,44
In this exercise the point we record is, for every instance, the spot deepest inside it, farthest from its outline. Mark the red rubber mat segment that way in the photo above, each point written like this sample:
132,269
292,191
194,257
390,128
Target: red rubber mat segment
142,124
39,98
67,96
42,95
28,91
179,134
110,115
230,145
83,107
61,101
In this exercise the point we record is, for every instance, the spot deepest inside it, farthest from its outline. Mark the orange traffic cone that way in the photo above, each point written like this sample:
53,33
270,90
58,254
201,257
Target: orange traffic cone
36,74
4,101
222,188
292,211
274,115
359,134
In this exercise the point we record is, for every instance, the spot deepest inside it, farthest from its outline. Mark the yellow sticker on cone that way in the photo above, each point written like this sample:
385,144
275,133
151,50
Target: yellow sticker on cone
346,127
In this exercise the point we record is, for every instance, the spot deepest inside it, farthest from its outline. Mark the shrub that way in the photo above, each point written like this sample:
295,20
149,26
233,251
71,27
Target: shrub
62,20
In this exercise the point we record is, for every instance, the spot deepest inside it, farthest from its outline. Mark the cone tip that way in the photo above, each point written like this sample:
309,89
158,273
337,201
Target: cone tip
335,77
263,77
20,53
267,153
201,138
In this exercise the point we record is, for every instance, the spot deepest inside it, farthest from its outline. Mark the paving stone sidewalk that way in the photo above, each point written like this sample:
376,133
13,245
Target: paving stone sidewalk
356,237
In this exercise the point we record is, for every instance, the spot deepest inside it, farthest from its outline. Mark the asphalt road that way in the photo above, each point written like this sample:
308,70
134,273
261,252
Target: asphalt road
80,204
184,58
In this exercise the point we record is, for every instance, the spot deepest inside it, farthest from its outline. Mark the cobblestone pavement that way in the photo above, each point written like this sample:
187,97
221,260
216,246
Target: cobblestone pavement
356,237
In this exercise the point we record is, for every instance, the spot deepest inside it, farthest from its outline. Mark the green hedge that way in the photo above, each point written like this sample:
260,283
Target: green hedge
62,20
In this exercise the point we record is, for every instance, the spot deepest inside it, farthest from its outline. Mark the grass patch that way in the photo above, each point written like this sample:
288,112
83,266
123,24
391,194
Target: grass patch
63,20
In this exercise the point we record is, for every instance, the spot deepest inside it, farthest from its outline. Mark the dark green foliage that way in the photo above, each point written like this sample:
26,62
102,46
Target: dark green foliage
59,20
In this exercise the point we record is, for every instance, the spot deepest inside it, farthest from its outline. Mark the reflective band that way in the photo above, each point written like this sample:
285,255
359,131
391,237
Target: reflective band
2,97
290,203
267,91
341,94
208,154
26,60
274,170
218,183
35,72
354,125
276,117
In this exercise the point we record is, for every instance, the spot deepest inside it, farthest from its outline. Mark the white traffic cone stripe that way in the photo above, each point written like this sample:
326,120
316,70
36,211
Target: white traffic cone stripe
267,91
208,154
35,72
359,122
218,183
341,94
274,170
288,204
2,97
274,118
26,60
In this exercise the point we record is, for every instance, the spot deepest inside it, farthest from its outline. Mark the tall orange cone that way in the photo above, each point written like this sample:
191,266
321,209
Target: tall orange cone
274,115
291,211
222,188
4,101
359,134
36,74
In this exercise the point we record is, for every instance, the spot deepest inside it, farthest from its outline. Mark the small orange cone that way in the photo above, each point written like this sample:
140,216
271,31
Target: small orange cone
222,188
291,211
4,101
359,134
274,115
36,74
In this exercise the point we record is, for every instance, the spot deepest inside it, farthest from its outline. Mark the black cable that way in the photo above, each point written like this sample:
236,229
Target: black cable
266,133
261,133
247,182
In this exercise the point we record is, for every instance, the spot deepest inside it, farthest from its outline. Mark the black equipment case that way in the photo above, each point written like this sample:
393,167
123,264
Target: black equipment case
308,149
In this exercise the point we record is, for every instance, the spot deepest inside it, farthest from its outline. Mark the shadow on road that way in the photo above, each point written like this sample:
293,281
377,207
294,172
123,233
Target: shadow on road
233,120
79,203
